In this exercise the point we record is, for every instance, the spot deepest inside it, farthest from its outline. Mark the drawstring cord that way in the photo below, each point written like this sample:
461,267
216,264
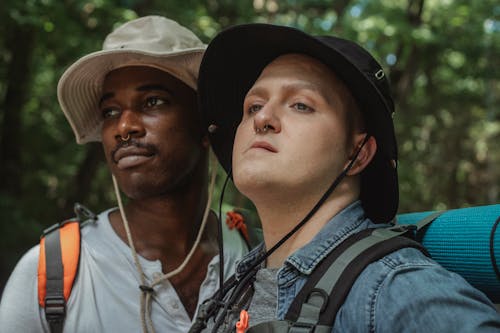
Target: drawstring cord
147,290
252,270
220,239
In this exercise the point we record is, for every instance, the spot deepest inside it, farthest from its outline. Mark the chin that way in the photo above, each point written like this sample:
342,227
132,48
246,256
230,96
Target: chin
137,186
138,192
248,182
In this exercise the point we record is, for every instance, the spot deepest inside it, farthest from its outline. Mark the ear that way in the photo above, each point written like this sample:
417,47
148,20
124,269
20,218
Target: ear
365,154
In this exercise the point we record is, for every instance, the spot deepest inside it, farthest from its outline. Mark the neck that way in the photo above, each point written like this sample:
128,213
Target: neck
279,216
164,227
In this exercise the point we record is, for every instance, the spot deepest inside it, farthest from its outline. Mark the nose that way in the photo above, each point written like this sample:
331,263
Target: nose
129,125
267,119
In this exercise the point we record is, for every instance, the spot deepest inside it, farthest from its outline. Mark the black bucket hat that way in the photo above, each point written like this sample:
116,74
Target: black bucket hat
234,60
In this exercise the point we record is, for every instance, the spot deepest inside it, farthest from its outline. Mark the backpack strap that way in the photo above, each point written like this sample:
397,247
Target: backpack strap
57,269
315,308
210,307
58,265
421,225
428,219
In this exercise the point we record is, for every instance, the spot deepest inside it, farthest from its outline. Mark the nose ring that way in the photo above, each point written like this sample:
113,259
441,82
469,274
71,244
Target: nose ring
263,129
125,139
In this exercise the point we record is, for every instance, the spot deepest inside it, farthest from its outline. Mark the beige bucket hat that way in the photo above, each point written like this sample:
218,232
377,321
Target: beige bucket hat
152,41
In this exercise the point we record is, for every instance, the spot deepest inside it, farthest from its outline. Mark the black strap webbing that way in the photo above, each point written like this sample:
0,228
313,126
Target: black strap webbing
294,309
378,243
421,226
55,305
354,269
210,307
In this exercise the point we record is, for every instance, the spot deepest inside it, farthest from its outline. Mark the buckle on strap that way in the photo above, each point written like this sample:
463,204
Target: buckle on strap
55,308
301,327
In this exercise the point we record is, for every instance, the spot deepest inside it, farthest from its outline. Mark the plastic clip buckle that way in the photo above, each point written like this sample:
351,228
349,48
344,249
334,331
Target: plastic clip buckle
302,328
410,230
55,308
84,215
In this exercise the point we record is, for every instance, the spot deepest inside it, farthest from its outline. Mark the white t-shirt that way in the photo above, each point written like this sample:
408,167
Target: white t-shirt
105,296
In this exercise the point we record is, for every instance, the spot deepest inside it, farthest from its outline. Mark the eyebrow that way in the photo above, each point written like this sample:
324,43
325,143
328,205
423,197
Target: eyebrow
302,85
289,87
146,87
149,87
105,97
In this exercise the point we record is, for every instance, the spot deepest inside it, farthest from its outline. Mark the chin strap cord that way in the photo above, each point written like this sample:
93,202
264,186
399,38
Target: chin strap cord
252,270
147,290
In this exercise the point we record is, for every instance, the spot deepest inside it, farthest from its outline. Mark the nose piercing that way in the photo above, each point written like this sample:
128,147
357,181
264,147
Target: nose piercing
126,138
263,129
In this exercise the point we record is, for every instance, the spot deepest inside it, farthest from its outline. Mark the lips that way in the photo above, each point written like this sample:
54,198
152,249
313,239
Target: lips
131,156
264,145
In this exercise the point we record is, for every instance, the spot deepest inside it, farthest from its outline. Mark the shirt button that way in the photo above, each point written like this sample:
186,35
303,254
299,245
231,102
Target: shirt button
174,305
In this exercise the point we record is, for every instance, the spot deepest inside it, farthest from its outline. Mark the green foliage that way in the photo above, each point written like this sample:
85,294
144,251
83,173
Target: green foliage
442,58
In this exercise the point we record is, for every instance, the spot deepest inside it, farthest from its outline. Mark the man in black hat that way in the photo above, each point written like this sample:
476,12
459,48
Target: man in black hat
304,126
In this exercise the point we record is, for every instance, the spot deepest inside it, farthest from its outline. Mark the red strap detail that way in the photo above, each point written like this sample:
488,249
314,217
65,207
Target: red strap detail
242,324
70,247
236,220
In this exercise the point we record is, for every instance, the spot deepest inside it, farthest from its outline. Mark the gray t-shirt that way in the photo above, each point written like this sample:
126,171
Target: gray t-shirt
261,306
105,296
264,301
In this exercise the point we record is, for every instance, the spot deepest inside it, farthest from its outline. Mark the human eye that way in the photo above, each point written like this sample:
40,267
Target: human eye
253,108
109,112
301,107
154,101
253,103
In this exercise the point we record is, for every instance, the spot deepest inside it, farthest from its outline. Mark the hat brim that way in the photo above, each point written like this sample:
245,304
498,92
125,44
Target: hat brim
80,87
234,60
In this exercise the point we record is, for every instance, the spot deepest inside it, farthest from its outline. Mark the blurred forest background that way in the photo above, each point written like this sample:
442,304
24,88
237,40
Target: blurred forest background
442,56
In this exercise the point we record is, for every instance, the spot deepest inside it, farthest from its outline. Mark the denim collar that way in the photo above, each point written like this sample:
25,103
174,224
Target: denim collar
248,259
347,222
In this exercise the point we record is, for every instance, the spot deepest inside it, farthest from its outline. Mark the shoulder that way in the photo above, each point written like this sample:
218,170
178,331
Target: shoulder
407,291
26,265
19,309
99,241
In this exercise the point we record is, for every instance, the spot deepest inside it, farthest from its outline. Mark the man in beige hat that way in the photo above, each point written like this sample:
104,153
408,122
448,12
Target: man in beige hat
147,265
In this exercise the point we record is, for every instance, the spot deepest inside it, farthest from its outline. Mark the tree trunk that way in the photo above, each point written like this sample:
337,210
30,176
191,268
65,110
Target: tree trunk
80,187
21,41
402,77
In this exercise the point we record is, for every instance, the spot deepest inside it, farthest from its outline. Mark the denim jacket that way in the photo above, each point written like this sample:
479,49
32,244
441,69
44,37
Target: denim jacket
403,292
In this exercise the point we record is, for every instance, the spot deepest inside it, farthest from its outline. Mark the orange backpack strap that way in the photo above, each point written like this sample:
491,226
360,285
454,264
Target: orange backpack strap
57,269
